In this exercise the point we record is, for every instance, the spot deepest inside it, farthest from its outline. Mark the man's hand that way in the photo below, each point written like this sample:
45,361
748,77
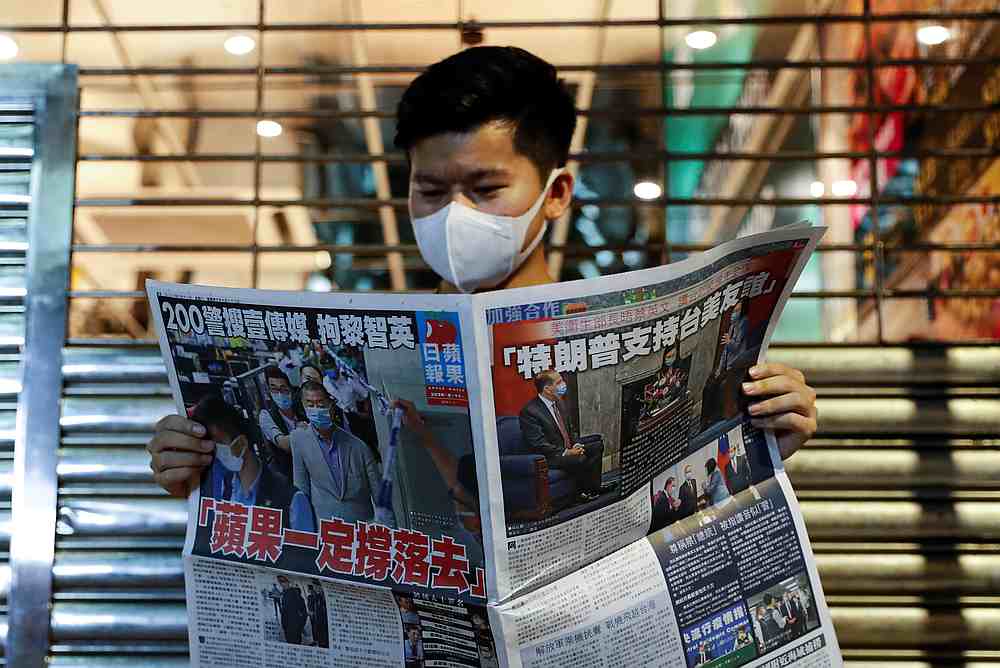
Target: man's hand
576,451
791,408
411,417
178,454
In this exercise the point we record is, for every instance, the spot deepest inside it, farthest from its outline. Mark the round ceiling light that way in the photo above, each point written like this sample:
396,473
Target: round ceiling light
268,128
701,39
647,190
8,47
933,35
239,45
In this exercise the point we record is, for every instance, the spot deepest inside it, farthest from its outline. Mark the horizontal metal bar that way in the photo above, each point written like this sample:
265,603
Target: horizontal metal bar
583,157
726,65
778,19
620,111
400,202
411,249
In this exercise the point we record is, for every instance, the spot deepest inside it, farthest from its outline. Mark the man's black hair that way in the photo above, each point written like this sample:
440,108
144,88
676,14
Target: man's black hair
313,386
492,83
213,411
273,372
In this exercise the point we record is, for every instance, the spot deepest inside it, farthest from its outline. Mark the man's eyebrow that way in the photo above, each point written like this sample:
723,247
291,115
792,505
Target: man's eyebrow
474,175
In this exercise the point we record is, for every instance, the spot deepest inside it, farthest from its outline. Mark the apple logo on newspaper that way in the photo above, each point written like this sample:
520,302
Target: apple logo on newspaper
440,331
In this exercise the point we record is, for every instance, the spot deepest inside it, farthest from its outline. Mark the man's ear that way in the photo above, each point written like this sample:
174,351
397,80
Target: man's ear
559,197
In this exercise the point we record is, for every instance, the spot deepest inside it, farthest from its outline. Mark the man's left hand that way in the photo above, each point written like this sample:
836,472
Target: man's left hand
790,409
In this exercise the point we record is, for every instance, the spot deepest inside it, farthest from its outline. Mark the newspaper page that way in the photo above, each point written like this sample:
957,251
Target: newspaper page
385,485
337,523
641,519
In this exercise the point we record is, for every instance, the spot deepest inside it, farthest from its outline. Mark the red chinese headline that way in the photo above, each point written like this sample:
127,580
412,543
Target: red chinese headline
372,551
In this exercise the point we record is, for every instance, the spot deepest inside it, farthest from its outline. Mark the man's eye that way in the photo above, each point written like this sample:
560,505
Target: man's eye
488,190
431,193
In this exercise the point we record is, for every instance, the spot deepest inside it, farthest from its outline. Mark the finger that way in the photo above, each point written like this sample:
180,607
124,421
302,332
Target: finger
775,385
175,440
172,459
180,424
793,402
173,478
768,369
787,422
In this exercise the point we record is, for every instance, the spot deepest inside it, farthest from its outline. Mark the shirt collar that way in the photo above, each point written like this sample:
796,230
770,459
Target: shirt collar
548,402
322,441
237,484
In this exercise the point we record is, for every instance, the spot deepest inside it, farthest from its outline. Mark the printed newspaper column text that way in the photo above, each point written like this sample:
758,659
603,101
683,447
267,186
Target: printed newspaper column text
225,616
763,539
366,631
614,612
545,555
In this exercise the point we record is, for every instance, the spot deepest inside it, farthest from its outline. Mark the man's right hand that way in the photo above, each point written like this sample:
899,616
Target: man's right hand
178,453
577,451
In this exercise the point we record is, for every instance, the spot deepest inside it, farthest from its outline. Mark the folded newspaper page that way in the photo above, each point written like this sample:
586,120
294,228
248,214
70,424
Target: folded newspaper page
548,476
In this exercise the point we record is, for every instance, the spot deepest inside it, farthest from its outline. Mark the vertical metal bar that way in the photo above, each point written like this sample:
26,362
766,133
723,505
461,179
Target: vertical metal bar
873,170
584,98
257,166
376,147
65,32
665,251
34,493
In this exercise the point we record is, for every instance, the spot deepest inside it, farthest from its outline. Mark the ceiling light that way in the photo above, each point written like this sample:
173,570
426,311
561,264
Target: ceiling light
701,39
846,188
647,190
268,128
933,34
240,45
816,189
8,47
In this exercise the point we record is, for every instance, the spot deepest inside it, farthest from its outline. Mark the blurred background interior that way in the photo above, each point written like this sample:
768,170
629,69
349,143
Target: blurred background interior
249,143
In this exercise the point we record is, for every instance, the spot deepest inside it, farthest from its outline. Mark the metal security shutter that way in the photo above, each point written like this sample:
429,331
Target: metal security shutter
118,597
17,133
38,106
899,490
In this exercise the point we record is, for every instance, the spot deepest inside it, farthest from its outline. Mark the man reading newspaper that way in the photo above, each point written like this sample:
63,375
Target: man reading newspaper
487,134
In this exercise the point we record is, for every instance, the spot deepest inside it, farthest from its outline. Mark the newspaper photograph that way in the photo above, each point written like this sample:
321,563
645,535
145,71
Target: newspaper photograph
343,438
547,476
617,403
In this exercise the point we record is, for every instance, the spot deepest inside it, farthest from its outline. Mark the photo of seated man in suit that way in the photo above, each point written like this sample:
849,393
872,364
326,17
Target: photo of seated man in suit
546,432
239,474
336,470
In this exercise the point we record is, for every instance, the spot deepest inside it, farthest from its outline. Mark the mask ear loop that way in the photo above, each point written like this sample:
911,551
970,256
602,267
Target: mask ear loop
526,253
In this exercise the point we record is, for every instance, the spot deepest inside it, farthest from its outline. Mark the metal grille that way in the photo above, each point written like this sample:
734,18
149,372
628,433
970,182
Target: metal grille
16,150
899,488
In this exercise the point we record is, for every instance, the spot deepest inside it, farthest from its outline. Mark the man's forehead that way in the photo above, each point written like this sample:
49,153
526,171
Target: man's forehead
483,151
442,172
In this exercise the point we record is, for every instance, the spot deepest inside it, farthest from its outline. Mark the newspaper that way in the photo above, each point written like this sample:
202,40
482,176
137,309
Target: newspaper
548,476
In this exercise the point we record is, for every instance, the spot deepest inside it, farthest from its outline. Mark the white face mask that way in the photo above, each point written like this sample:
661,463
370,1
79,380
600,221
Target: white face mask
224,453
471,249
